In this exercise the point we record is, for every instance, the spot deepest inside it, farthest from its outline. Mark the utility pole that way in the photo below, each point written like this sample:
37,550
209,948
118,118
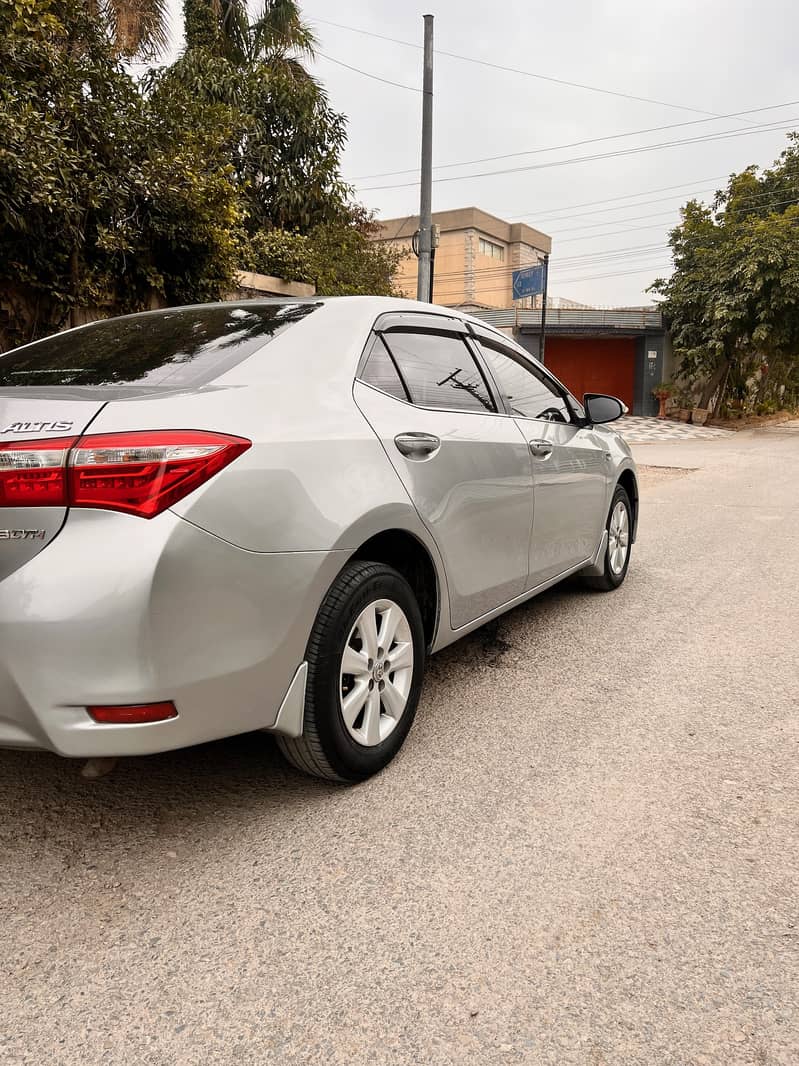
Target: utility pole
543,344
424,277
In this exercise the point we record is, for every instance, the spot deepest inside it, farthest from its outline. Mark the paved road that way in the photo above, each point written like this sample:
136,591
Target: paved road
587,852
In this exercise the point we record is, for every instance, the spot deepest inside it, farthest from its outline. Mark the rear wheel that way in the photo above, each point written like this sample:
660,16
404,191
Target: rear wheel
365,664
617,552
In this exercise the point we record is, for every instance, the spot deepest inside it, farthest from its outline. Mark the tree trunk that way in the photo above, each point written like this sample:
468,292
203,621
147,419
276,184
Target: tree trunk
721,390
713,382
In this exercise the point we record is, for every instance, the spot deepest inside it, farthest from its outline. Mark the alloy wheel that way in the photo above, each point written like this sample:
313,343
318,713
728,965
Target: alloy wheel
376,672
618,537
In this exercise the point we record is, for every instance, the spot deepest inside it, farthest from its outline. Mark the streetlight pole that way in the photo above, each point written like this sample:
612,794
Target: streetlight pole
424,277
543,344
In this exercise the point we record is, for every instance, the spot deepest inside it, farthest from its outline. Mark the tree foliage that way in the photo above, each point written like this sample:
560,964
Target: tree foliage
287,158
136,27
106,198
116,194
733,299
337,257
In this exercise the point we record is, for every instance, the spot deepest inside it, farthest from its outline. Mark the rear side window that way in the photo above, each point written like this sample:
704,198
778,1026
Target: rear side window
526,394
381,372
439,371
180,347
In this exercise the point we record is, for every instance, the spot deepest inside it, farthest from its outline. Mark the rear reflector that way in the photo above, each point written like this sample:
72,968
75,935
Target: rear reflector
144,712
141,473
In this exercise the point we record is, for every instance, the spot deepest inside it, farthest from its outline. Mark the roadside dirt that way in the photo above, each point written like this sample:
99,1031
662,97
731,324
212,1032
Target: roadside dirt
653,475
752,421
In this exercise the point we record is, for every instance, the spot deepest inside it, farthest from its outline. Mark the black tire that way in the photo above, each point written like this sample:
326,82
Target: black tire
610,580
326,749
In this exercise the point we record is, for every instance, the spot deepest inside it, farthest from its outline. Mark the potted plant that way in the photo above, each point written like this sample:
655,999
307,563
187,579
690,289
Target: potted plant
661,393
699,415
684,404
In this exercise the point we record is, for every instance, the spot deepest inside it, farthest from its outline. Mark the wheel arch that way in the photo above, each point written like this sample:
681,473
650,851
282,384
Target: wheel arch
406,553
629,482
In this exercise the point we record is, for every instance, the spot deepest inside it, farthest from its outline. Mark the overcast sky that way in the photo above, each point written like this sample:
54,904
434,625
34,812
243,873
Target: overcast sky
711,57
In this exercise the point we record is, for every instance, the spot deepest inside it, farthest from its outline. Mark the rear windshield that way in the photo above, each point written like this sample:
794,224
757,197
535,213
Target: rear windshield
180,347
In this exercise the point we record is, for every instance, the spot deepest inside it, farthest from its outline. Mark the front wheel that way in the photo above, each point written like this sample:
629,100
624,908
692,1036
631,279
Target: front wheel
617,552
365,664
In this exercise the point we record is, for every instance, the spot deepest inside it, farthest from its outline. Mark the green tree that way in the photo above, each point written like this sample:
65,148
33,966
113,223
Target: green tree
337,257
108,199
287,161
218,26
115,196
279,32
733,299
278,35
136,26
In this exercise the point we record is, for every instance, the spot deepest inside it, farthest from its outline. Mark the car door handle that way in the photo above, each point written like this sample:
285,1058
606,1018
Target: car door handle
417,445
541,449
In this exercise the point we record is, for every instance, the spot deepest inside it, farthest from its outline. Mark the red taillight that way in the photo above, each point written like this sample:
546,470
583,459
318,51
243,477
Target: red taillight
33,472
134,715
141,473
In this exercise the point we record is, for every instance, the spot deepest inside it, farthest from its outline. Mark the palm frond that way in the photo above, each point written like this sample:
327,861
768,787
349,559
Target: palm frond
280,29
138,27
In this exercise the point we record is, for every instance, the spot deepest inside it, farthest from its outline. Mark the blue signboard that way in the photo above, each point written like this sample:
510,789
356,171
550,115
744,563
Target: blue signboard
529,281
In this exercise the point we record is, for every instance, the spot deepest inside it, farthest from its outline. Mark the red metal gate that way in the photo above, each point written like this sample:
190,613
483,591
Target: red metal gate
594,364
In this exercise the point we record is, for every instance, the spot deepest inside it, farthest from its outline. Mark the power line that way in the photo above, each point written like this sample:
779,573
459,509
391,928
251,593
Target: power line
614,233
515,70
622,207
615,274
594,277
555,264
366,74
764,197
615,199
491,273
576,144
454,278
613,221
567,262
552,223
763,127
645,192
754,198
541,216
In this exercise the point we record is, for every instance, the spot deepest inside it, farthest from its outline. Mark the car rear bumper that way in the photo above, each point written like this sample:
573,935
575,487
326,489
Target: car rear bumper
118,610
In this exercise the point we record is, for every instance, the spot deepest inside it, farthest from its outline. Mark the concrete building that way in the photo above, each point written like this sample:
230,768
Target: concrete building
624,352
475,258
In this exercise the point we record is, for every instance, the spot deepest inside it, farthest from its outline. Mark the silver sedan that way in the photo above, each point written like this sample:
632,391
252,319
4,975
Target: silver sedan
264,515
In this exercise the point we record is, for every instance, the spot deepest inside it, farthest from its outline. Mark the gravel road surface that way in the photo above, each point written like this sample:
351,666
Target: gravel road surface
586,853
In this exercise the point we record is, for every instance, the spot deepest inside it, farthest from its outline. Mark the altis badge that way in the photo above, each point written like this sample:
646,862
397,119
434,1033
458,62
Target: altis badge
38,427
22,534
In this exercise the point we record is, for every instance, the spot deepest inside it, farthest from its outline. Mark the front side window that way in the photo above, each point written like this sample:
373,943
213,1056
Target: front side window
526,394
439,371
184,346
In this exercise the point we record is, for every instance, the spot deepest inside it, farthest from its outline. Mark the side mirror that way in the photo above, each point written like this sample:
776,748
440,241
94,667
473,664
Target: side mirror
599,408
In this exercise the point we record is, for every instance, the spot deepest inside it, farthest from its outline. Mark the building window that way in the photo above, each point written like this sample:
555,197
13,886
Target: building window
493,251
